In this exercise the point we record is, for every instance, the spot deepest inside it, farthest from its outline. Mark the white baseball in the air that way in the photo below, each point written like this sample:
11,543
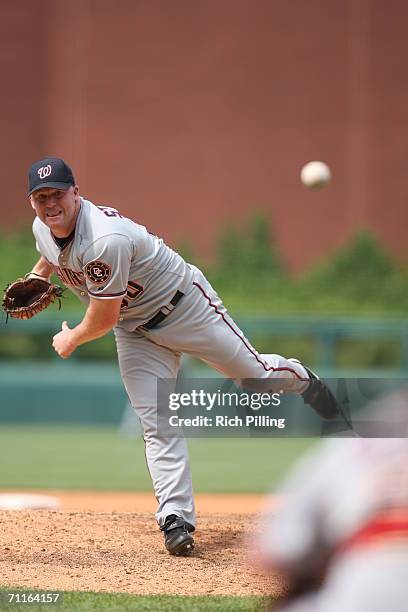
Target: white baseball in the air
315,174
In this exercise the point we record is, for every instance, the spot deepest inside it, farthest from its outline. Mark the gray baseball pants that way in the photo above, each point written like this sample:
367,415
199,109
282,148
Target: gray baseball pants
200,326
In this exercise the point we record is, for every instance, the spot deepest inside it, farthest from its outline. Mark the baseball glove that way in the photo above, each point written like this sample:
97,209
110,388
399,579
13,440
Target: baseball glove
27,297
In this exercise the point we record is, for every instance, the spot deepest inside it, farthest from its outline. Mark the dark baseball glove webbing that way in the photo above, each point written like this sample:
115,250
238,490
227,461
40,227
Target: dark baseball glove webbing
26,297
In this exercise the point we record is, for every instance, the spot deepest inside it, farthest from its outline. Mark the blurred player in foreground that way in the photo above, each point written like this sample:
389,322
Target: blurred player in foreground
340,538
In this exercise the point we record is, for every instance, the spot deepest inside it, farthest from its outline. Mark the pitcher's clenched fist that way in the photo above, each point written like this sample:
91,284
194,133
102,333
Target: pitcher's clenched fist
63,342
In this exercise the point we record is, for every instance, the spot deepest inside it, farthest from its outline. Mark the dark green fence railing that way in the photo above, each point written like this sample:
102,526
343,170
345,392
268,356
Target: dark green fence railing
87,391
326,333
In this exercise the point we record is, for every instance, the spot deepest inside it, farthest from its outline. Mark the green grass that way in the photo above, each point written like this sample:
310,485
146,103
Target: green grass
99,458
83,602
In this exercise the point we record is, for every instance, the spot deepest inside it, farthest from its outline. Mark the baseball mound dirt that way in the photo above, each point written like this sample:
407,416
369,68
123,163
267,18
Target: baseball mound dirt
123,552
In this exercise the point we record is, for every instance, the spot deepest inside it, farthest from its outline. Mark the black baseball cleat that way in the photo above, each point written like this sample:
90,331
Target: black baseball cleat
177,537
320,398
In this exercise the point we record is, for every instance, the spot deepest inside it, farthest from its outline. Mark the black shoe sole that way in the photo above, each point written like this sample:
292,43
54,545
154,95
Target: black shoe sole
182,546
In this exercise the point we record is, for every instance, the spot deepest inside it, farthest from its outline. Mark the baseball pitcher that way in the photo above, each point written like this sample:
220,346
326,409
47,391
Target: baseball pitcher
159,307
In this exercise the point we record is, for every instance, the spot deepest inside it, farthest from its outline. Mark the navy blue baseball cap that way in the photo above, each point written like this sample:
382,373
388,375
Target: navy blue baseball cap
50,172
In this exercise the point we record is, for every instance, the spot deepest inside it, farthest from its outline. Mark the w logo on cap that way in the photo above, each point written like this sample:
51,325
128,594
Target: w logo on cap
44,171
50,172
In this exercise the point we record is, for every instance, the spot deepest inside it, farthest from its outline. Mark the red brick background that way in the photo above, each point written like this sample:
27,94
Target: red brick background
187,114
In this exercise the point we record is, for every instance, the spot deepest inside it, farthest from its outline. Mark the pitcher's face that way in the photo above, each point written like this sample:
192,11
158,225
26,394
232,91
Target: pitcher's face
57,208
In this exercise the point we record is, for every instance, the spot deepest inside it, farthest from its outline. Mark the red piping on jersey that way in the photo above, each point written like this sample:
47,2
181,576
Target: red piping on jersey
392,526
266,367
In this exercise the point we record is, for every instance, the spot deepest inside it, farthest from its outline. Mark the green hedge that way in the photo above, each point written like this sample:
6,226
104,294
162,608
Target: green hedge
359,279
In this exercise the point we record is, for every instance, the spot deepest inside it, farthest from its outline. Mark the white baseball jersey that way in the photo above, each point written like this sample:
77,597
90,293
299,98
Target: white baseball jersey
111,256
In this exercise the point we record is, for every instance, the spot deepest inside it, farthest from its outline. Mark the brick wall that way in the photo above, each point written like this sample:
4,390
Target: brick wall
186,115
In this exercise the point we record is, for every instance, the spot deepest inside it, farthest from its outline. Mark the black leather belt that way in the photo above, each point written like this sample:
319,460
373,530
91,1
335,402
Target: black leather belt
166,310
